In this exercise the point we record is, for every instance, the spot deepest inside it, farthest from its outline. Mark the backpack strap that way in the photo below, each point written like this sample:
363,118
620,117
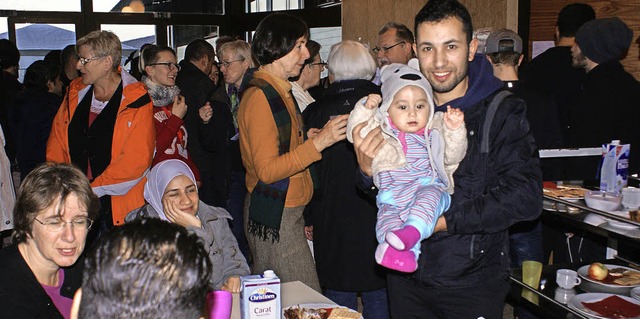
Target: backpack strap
488,119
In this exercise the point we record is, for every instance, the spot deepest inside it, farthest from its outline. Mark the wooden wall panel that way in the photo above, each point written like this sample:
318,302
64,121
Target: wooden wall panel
545,12
363,18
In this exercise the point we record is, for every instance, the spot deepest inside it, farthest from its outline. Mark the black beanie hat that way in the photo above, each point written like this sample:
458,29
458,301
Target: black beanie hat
603,40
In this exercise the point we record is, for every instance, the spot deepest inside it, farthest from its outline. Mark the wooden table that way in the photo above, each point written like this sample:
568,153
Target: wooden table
293,293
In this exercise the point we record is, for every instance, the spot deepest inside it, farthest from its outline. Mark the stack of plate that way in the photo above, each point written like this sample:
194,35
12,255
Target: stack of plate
635,293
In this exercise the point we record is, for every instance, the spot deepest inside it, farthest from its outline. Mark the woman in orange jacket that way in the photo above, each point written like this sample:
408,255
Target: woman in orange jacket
105,127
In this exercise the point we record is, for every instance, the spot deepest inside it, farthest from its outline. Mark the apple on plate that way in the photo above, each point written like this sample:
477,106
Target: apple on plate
598,271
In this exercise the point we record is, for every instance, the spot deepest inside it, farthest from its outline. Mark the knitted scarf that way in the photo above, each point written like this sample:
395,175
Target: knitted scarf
267,200
160,95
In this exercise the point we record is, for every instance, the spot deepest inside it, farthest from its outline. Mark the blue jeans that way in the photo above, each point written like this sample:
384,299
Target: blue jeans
375,302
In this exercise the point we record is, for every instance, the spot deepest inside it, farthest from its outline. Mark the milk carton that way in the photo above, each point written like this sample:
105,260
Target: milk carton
615,166
260,296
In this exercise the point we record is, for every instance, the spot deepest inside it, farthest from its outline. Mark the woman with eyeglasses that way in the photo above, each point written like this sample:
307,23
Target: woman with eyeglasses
309,76
237,69
159,69
105,127
277,153
40,272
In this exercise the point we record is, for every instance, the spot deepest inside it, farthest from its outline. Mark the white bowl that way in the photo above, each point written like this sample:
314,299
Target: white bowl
603,200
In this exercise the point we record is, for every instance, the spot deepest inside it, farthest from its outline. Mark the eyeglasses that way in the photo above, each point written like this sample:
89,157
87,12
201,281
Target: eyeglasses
170,65
57,224
84,61
322,64
386,49
226,64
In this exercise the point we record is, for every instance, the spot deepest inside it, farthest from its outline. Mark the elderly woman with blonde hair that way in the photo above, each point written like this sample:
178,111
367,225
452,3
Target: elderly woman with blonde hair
343,218
105,127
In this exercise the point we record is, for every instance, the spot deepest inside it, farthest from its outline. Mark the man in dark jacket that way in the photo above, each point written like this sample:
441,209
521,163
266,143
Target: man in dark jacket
498,183
551,71
9,87
607,108
205,138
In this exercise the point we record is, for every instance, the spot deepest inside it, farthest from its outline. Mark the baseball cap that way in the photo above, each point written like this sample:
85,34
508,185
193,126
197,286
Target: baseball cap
503,40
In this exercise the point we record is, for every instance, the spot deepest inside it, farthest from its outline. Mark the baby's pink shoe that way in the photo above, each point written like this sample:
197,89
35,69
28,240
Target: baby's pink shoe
404,261
404,238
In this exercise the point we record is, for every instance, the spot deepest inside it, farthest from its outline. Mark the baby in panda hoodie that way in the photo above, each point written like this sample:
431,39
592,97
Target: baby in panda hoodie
413,170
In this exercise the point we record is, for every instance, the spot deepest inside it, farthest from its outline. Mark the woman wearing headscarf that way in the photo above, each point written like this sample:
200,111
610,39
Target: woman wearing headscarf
172,195
343,218
105,127
276,152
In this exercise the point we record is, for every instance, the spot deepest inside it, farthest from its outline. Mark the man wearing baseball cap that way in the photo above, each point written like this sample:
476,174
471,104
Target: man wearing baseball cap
607,108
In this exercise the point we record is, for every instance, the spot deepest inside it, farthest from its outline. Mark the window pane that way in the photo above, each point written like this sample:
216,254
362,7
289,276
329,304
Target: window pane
258,5
174,6
4,28
279,5
181,35
41,5
326,37
36,40
132,36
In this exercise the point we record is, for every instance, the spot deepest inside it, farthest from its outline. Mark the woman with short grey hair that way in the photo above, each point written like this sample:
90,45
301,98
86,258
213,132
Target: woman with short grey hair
344,219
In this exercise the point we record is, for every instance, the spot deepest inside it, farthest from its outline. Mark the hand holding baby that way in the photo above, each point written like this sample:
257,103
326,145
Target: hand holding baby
453,118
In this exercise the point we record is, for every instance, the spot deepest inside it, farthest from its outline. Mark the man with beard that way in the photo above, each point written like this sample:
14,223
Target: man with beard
498,183
607,108
395,45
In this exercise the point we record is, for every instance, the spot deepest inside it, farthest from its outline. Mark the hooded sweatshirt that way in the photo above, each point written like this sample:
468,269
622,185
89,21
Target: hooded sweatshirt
482,83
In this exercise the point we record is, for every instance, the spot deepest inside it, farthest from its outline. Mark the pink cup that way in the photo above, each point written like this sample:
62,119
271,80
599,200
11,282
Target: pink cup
219,304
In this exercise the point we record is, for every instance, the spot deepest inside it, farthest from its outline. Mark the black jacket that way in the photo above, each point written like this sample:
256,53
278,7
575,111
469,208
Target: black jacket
36,112
22,296
207,143
492,192
552,73
608,108
343,218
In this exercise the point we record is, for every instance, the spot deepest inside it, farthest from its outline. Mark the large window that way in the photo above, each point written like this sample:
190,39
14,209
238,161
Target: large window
36,40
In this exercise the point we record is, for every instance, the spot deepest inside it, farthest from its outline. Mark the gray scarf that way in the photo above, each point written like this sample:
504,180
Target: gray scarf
160,95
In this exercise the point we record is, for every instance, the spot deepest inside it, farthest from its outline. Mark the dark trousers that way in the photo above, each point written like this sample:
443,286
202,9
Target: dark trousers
374,302
235,207
409,298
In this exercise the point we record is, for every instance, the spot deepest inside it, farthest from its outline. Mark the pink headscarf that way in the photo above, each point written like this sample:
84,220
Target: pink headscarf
160,176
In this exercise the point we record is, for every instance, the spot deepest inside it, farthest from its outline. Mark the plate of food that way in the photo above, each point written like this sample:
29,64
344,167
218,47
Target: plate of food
606,306
609,278
566,192
319,311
